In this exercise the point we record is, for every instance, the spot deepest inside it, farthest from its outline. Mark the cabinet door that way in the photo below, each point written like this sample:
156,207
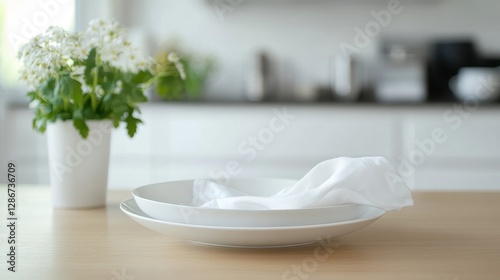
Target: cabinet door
476,137
453,179
468,155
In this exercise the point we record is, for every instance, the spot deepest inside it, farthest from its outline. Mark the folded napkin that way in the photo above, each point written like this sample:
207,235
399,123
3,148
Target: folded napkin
369,181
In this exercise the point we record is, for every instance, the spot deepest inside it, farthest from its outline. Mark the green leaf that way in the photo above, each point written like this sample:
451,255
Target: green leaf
141,77
70,90
47,92
137,96
40,124
76,92
80,125
90,64
116,122
132,124
107,79
119,106
45,109
32,95
170,87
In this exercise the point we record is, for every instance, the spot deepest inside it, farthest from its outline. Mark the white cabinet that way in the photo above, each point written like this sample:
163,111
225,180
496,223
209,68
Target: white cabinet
222,132
467,155
179,141
261,140
477,137
442,177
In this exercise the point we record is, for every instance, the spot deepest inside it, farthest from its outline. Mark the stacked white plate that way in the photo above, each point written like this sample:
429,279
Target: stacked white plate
166,208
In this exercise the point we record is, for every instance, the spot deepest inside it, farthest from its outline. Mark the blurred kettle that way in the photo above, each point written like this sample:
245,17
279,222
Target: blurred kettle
346,78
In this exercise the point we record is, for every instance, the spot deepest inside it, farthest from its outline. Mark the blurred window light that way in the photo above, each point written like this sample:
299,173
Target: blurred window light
20,20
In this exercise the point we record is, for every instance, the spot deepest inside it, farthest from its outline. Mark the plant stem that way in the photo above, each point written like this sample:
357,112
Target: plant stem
93,95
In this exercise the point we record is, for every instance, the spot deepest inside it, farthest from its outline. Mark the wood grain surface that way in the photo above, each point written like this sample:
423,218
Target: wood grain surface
445,236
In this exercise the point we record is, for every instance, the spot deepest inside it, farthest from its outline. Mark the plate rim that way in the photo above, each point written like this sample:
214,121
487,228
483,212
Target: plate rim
378,214
181,206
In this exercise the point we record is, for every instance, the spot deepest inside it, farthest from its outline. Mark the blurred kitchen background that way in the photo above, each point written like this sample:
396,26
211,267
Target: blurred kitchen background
414,81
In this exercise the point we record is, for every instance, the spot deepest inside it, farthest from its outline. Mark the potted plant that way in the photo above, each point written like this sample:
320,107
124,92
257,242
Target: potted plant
83,84
197,68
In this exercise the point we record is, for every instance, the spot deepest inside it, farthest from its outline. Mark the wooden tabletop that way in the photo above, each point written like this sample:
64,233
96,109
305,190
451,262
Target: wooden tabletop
445,236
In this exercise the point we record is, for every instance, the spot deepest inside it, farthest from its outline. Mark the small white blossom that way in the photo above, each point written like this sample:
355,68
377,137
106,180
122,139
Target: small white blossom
118,87
86,88
34,104
99,90
78,71
175,59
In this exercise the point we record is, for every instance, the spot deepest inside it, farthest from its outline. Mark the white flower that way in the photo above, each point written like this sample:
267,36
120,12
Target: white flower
57,51
46,54
118,87
78,71
34,104
109,38
99,90
174,58
86,88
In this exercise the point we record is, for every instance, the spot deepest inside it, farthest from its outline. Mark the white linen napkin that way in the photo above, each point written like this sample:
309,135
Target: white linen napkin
369,181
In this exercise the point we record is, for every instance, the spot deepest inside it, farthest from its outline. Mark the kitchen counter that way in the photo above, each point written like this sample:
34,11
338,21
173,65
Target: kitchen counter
453,235
321,103
21,103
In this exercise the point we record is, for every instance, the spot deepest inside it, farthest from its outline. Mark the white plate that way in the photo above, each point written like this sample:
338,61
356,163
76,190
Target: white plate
250,236
171,202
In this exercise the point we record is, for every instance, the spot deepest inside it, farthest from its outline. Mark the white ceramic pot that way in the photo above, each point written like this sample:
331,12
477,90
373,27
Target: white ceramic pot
78,167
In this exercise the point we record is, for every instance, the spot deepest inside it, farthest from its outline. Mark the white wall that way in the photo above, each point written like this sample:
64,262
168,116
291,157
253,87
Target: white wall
302,35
